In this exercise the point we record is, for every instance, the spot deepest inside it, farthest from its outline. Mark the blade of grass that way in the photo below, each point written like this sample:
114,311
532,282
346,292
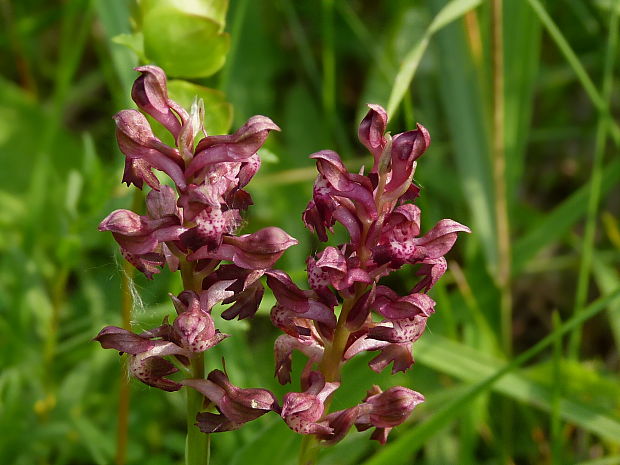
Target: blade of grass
239,14
449,13
521,64
358,27
464,103
608,280
321,86
594,196
612,460
556,393
471,365
554,225
114,17
76,22
587,83
328,83
502,225
411,440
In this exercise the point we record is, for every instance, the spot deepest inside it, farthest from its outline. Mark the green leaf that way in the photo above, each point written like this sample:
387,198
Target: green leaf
470,365
452,11
212,9
218,112
463,100
134,42
521,58
183,44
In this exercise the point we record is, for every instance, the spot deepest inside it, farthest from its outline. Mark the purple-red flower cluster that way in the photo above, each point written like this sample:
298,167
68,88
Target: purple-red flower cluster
198,219
192,227
384,234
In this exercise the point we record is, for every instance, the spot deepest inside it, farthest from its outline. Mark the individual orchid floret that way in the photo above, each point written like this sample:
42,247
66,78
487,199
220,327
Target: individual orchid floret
433,245
307,342
194,327
257,251
147,362
246,288
143,238
385,410
392,338
137,141
393,307
332,268
211,226
371,132
406,148
236,405
344,184
382,410
431,269
237,147
302,411
150,93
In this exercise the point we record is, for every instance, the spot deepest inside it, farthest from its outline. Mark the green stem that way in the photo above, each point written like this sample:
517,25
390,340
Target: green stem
197,443
502,225
594,197
328,89
588,85
124,389
330,367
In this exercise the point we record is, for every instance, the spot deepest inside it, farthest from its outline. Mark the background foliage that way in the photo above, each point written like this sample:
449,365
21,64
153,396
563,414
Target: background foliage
505,379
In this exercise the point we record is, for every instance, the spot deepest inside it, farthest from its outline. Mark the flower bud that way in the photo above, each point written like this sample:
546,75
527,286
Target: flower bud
392,407
150,93
371,132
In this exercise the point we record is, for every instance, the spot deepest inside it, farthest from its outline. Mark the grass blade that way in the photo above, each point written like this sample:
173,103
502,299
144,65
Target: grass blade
588,85
553,226
452,11
594,197
411,440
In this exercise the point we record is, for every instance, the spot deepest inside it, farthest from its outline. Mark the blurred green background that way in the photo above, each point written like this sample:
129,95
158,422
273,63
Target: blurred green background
520,362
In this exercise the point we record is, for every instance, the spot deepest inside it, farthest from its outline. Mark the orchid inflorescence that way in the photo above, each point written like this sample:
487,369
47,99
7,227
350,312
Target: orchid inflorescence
346,311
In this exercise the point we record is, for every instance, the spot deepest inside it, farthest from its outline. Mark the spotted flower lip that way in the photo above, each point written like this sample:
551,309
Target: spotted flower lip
194,327
345,184
302,411
393,307
433,245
